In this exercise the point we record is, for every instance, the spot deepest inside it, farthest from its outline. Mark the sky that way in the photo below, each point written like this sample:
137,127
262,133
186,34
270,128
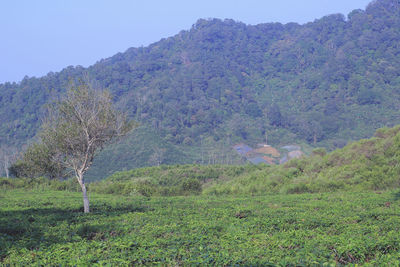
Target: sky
48,35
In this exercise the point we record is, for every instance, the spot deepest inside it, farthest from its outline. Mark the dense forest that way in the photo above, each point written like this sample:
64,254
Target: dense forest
199,92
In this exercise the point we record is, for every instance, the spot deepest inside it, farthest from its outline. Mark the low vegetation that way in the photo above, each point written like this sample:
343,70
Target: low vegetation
48,228
366,165
164,180
326,209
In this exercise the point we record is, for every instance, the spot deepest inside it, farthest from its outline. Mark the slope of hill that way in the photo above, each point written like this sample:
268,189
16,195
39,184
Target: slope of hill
366,165
369,164
224,82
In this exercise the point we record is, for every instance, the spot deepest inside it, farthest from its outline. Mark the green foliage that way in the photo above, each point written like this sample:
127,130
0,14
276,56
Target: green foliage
166,180
366,165
320,151
280,230
326,82
370,164
138,150
357,224
21,169
37,161
191,186
39,184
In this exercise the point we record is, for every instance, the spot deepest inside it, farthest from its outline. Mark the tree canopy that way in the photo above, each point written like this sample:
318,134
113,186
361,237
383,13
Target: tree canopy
75,129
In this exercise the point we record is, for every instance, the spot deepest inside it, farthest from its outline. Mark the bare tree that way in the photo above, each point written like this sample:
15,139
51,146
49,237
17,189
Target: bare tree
80,125
8,155
158,156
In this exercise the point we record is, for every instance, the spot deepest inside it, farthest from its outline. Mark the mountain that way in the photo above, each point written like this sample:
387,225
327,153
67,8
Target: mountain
198,93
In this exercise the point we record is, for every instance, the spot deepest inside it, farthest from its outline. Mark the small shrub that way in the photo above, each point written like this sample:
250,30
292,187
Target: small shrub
298,189
146,189
191,186
88,231
6,183
320,151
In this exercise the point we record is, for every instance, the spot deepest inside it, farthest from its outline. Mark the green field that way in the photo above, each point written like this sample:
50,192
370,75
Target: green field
330,209
49,228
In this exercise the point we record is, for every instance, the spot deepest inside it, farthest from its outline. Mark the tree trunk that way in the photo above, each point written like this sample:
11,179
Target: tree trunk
79,176
85,199
6,166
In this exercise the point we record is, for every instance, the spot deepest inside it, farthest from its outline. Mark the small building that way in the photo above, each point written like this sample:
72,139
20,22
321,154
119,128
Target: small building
295,154
242,149
269,160
257,160
267,150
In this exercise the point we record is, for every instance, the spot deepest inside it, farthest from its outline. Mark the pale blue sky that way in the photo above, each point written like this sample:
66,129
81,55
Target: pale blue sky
47,35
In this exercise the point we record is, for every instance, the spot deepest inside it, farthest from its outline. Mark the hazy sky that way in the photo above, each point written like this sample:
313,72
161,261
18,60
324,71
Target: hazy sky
47,35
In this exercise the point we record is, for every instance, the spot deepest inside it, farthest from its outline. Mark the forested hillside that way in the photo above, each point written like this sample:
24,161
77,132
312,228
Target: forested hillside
223,82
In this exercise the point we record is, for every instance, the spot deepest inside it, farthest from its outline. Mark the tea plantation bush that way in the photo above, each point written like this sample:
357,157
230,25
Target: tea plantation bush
49,228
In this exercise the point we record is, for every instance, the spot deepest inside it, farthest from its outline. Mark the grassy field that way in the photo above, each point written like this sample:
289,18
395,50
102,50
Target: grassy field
48,227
